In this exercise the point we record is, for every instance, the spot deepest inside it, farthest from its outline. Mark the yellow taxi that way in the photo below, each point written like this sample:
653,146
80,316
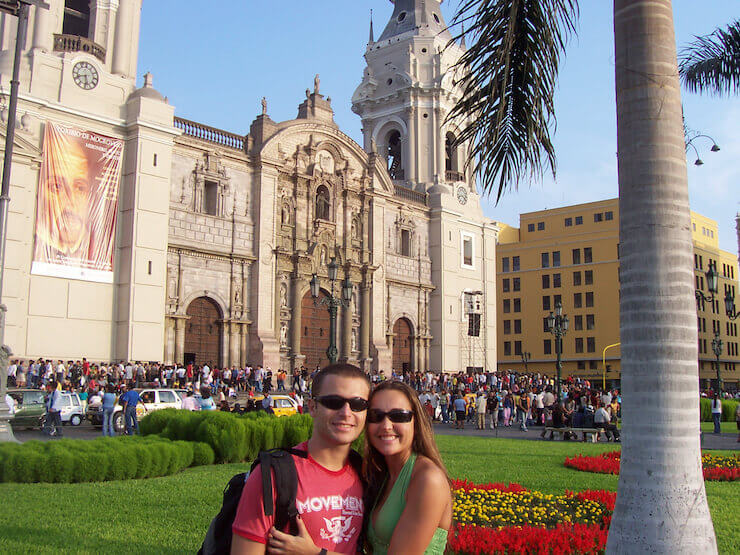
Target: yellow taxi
283,405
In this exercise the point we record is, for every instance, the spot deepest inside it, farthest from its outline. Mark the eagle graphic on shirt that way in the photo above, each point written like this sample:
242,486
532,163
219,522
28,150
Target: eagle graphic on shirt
337,529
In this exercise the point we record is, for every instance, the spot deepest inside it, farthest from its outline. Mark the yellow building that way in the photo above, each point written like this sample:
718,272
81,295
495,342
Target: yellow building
571,255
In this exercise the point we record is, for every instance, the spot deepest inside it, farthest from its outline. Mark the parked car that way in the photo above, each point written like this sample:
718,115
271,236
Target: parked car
154,399
30,408
72,410
283,405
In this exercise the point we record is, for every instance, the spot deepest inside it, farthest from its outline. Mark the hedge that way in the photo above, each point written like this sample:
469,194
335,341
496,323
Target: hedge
729,406
233,437
99,460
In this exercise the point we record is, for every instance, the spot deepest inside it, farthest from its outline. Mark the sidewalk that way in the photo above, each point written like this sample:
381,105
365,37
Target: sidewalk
709,441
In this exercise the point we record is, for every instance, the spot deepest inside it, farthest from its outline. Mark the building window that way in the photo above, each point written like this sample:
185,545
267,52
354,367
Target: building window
609,216
581,364
322,203
545,325
467,250
546,302
393,156
505,287
540,226
576,278
545,281
507,348
530,227
505,265
588,277
590,322
517,347
598,216
589,299
592,364
517,283
517,305
76,18
450,153
556,280
405,242
517,326
579,344
507,306
577,300
555,259
557,299
579,220
515,263
547,346
578,322
568,222
507,327
210,198
587,257
591,344
545,259
576,256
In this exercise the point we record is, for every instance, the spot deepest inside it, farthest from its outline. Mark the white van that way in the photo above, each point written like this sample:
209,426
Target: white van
72,410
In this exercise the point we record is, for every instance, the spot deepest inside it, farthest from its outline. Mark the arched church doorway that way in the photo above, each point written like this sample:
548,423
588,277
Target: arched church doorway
402,350
315,332
203,333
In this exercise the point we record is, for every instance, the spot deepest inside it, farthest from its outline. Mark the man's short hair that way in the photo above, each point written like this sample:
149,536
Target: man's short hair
341,369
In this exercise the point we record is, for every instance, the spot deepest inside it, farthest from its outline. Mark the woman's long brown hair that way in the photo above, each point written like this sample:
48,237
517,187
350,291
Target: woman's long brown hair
374,466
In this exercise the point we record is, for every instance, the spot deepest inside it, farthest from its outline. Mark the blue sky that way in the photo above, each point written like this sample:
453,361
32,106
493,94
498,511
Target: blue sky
215,61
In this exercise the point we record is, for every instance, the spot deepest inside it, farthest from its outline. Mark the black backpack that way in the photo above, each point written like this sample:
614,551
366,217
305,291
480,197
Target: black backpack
218,537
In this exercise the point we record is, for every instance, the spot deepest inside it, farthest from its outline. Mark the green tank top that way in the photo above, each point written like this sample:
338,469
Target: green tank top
380,529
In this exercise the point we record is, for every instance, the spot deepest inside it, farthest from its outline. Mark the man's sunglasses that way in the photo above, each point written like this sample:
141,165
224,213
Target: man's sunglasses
336,402
397,416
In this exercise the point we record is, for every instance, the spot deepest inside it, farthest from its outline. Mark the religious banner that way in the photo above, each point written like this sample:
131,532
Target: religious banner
77,204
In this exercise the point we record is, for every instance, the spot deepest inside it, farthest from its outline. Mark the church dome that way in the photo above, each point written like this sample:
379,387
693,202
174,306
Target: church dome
147,91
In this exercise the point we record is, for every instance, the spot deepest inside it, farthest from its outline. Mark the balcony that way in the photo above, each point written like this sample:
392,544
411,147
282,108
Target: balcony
410,195
451,176
210,134
74,43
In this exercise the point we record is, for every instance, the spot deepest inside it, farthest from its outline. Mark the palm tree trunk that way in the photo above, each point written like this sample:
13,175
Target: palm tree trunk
661,502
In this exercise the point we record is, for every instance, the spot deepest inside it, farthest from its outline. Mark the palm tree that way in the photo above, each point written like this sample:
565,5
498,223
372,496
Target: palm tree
712,63
513,58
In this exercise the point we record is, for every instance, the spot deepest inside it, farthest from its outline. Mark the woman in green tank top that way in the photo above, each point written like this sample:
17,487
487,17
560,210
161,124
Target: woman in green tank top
409,490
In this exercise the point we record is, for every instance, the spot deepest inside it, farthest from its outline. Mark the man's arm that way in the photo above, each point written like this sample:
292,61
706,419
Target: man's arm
243,546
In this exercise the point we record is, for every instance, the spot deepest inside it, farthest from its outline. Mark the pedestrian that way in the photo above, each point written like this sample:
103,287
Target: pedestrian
480,410
54,410
716,412
108,406
130,400
492,406
459,406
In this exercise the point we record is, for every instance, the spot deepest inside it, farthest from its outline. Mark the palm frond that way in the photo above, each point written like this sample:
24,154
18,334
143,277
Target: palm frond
712,63
508,78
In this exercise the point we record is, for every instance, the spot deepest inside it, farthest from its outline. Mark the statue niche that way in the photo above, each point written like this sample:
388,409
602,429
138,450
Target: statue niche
323,203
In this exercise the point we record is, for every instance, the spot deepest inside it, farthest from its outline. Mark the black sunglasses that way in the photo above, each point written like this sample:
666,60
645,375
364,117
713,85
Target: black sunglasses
336,402
397,416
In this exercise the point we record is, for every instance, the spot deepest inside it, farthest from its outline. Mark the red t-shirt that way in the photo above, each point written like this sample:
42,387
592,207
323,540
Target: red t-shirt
329,502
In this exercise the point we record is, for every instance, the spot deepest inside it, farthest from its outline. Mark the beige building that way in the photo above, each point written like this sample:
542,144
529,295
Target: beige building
214,236
571,255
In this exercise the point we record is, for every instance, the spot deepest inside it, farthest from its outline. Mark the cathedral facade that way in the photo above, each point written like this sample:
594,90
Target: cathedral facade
190,243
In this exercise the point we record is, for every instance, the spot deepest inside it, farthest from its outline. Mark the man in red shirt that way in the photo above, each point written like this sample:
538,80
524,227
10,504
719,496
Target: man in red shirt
329,498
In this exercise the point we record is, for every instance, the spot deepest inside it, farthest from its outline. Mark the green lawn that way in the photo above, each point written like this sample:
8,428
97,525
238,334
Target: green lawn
170,515
725,427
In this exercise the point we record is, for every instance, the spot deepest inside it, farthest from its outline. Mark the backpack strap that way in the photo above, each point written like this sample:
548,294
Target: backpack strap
282,506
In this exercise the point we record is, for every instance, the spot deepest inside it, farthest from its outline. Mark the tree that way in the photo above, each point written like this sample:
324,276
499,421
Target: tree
712,63
508,90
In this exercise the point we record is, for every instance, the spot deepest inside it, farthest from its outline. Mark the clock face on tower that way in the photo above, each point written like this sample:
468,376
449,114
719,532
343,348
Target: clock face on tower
85,75
462,195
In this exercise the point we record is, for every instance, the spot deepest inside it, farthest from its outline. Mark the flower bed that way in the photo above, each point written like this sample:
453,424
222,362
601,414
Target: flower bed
716,467
508,519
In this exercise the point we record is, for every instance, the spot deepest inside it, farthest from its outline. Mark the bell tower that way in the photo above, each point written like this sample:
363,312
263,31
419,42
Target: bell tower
407,90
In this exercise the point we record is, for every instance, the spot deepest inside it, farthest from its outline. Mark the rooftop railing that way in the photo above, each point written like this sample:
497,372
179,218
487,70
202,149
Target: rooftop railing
74,43
210,134
410,195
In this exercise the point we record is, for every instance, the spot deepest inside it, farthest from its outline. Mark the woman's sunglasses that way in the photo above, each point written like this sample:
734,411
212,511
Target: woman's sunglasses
397,416
336,402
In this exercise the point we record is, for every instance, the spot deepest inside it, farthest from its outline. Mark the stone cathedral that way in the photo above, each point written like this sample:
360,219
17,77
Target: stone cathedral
213,237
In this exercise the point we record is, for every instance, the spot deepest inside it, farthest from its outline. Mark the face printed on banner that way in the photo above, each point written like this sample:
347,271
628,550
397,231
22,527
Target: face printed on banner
67,192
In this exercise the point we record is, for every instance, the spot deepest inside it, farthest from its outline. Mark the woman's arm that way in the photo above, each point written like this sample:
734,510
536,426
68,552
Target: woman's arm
428,501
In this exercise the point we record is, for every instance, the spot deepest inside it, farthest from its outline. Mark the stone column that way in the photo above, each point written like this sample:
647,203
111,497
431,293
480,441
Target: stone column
365,323
440,146
42,35
121,45
296,285
410,166
180,323
243,344
234,344
345,351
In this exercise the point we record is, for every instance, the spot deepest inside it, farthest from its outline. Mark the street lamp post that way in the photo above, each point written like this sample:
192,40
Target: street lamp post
717,348
730,310
525,359
20,9
558,326
332,303
712,284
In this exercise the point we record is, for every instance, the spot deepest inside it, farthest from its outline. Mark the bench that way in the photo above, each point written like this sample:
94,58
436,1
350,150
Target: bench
593,433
